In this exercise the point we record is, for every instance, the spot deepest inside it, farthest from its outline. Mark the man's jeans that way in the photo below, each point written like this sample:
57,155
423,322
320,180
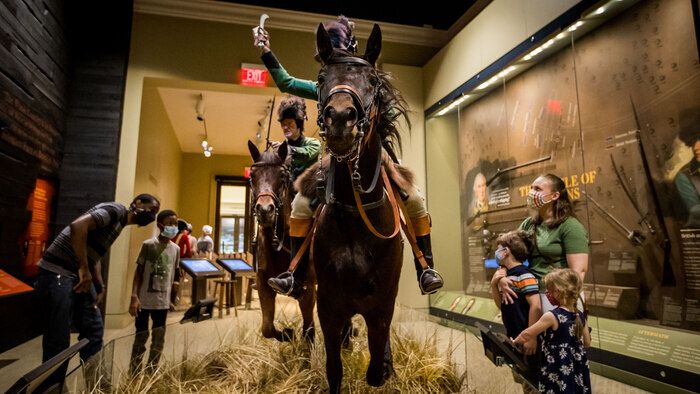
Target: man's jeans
61,306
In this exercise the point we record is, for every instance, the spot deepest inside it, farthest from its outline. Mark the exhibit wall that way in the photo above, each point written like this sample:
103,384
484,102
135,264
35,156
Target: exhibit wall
158,164
501,26
443,174
615,114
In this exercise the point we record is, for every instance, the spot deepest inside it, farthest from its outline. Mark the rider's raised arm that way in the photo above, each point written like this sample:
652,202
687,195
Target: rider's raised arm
285,82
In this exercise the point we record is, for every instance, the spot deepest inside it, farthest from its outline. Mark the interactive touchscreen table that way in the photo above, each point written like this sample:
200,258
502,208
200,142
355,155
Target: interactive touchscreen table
238,268
235,266
200,270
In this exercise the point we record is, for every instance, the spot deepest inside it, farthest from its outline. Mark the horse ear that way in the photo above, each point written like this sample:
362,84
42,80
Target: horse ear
282,151
374,45
254,152
323,43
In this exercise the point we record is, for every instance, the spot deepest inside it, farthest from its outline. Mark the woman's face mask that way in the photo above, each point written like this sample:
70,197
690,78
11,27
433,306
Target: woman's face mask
535,199
169,232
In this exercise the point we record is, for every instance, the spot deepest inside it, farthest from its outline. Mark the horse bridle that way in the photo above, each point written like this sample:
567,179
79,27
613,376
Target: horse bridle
366,122
278,201
367,116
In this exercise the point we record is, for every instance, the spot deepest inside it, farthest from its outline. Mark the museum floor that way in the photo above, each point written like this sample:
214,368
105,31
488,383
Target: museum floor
189,339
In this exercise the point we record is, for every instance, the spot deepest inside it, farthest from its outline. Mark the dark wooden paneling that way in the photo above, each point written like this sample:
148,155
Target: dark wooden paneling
95,101
33,104
62,77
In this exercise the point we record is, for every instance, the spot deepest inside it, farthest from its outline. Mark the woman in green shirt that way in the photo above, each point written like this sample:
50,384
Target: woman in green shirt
559,239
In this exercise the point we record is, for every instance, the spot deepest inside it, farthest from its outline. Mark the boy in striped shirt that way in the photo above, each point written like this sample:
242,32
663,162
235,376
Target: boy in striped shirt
513,249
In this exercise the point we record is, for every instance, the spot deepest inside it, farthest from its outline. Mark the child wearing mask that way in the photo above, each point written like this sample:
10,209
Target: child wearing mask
564,363
513,249
152,294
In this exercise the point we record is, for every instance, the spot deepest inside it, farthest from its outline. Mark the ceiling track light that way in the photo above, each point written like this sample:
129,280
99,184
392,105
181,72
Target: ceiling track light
206,147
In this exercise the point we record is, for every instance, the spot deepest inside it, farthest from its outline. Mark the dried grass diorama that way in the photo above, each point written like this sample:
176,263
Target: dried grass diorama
246,362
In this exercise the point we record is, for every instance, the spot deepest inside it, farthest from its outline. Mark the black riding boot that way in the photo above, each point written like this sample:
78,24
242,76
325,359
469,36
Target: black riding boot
429,280
292,283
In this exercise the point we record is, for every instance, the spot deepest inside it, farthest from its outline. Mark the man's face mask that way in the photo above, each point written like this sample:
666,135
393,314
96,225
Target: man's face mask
143,217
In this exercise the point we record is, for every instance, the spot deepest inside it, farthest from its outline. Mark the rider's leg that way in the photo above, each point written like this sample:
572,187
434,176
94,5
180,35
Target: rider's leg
292,283
428,279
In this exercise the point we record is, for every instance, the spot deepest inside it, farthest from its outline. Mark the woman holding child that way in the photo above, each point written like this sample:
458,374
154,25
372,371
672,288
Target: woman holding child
558,260
558,239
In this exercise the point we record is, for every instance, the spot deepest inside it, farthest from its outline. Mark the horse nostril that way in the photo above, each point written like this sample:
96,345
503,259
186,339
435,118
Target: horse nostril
328,114
350,116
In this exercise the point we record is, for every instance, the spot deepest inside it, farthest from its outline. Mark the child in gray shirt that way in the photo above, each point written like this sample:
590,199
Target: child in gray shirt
153,292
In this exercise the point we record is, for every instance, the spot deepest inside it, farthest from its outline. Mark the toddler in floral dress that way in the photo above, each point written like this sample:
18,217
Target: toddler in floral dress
564,363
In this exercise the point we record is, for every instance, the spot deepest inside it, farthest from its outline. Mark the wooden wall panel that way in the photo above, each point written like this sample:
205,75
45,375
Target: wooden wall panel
62,77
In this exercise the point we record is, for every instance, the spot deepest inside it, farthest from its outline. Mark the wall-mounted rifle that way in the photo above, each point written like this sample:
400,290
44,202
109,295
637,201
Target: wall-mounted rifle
643,218
668,277
634,236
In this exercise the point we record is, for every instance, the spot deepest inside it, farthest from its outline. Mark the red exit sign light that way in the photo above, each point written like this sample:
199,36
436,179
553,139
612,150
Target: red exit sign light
253,77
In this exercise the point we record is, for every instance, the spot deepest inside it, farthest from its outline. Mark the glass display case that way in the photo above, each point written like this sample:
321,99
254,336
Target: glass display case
615,113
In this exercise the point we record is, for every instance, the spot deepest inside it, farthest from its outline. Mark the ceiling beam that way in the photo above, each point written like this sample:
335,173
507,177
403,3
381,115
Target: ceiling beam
241,14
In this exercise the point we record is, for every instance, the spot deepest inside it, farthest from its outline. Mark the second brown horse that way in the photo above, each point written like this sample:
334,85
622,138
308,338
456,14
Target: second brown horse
271,203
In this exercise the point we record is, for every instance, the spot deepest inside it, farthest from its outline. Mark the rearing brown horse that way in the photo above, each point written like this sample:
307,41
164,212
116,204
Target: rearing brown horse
271,195
357,271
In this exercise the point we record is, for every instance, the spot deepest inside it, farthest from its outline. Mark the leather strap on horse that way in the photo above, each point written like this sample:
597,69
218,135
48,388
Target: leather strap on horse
408,231
394,206
305,245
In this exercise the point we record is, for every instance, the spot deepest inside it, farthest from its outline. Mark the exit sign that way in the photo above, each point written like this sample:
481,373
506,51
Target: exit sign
253,75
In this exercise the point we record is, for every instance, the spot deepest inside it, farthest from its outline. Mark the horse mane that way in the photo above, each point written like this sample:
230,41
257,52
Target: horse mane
392,106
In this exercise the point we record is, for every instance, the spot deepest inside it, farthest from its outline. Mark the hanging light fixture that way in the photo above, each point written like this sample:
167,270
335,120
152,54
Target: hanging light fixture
199,108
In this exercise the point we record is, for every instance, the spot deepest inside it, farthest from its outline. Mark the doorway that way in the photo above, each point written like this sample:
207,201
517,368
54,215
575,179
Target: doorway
232,233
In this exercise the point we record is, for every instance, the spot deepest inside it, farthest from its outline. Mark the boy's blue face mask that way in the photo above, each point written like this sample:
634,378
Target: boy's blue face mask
169,232
497,256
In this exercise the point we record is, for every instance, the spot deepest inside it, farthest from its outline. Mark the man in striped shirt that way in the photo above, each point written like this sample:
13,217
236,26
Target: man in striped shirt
513,249
70,284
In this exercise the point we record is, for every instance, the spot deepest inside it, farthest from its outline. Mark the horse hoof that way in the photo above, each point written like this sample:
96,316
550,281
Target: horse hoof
388,370
287,334
375,379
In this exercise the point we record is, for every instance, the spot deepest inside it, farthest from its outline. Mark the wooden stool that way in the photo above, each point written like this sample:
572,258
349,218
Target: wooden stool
226,295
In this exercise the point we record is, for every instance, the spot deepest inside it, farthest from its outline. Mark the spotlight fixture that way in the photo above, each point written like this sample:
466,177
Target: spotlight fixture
199,107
